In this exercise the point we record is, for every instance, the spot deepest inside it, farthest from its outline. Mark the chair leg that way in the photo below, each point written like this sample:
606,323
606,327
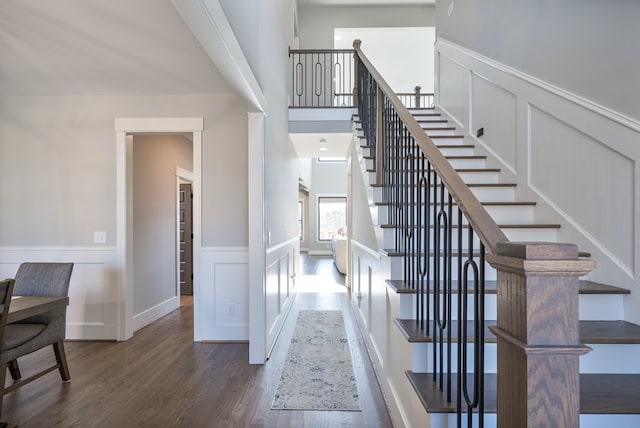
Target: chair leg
14,369
3,374
61,358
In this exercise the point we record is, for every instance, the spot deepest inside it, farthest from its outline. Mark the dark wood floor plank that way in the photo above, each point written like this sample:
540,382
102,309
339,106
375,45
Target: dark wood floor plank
161,377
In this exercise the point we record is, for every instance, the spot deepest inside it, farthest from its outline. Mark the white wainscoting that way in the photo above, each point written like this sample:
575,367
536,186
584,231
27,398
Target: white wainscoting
93,291
577,159
376,309
282,262
223,296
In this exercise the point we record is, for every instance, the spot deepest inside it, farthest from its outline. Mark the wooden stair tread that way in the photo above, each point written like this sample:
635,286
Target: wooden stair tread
584,287
414,334
599,393
591,287
442,128
591,332
609,332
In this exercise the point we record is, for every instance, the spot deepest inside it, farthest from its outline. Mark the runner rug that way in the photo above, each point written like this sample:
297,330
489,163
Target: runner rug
318,372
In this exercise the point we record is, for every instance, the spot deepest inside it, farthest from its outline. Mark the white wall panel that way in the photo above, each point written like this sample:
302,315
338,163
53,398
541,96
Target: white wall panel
93,290
576,158
452,82
493,108
224,281
590,182
282,269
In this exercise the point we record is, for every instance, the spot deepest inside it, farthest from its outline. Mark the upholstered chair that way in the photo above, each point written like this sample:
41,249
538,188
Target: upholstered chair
39,331
6,289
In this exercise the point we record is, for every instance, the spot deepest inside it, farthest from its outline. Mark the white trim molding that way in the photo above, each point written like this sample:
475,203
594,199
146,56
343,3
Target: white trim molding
125,128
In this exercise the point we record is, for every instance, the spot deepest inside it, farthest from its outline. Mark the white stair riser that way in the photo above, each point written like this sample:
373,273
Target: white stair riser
588,308
494,194
611,358
603,359
467,163
456,151
480,177
433,132
434,124
516,235
459,140
397,270
601,307
501,214
599,421
424,361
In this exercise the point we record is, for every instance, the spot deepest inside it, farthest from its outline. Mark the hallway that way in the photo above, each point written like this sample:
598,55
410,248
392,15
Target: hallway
162,378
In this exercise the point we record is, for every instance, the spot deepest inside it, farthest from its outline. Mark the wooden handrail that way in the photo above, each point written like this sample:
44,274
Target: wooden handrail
484,226
303,51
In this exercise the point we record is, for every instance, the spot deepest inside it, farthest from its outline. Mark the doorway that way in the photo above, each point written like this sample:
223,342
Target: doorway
125,128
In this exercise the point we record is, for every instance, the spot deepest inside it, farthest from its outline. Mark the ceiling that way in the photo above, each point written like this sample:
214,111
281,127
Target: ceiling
311,145
100,47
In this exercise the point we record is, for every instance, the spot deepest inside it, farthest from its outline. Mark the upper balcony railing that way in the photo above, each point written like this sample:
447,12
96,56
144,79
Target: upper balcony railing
325,78
321,78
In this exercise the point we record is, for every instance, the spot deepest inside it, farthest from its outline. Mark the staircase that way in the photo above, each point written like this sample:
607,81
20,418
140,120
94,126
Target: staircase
609,374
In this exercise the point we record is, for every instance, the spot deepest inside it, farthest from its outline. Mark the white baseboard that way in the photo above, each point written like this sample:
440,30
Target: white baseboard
145,318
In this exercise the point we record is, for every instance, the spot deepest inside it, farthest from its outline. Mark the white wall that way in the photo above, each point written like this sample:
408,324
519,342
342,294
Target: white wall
404,56
155,158
67,164
318,22
585,47
264,31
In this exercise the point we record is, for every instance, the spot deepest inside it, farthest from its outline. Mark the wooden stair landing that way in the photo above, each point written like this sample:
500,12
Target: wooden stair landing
612,394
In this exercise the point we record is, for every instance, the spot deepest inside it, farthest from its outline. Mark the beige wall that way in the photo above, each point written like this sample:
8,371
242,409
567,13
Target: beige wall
58,166
317,22
585,47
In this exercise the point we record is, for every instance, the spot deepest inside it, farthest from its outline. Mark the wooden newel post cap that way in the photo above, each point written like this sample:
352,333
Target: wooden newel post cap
540,258
418,89
537,250
357,43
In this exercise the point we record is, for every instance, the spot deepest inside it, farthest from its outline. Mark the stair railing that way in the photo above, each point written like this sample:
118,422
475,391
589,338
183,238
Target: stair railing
321,78
432,208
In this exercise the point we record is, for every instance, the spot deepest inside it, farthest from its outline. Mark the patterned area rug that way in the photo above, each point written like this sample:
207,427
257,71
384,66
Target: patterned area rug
318,373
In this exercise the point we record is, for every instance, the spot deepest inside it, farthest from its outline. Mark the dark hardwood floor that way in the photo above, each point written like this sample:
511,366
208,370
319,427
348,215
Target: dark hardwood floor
161,378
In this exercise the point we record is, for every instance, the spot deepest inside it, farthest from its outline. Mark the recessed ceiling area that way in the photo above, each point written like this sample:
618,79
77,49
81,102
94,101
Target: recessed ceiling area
311,145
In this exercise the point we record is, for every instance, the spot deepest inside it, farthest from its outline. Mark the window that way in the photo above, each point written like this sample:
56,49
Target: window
300,223
332,215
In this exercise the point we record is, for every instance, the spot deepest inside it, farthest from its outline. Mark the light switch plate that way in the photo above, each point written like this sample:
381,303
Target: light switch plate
100,237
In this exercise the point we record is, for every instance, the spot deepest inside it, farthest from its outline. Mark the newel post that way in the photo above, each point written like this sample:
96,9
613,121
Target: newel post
417,90
356,72
538,334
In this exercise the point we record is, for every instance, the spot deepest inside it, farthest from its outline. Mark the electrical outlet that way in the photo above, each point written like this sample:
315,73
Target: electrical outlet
231,308
99,237
480,132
